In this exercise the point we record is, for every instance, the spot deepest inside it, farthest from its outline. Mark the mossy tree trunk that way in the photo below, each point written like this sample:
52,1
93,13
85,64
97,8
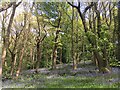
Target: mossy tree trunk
54,57
55,47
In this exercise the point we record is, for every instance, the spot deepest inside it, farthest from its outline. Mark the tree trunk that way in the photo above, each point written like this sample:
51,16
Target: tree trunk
95,44
10,25
3,36
54,56
103,64
95,60
118,54
77,39
38,56
72,41
115,25
3,55
31,54
13,63
20,63
33,59
46,57
60,55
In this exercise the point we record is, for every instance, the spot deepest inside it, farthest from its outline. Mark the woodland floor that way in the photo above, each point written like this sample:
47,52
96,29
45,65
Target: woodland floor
85,76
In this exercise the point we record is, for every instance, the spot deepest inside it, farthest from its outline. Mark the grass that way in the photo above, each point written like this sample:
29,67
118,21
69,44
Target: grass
64,78
42,81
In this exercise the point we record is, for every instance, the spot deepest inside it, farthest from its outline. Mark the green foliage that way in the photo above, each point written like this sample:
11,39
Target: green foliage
91,36
84,43
114,62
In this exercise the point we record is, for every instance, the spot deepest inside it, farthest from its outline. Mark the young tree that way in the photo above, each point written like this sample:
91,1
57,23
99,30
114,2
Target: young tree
72,40
6,44
23,44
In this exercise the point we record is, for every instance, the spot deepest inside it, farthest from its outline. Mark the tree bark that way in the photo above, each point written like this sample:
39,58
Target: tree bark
118,31
3,55
95,44
54,57
72,40
60,55
39,41
20,62
25,38
115,27
38,56
13,63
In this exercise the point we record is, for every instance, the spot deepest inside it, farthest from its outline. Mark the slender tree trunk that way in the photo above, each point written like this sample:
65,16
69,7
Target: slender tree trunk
115,25
39,44
3,55
20,62
13,63
118,54
77,39
90,19
46,57
3,36
105,58
60,55
54,57
72,38
94,31
33,59
25,37
31,54
38,56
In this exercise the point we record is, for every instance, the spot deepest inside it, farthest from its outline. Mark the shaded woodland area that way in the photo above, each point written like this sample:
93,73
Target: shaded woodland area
60,44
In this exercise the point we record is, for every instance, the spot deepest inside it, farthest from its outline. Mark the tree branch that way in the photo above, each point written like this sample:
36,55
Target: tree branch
88,7
44,35
5,8
72,5
18,3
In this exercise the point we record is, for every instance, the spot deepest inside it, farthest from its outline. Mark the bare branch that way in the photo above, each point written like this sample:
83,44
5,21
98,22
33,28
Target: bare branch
56,26
78,3
18,3
88,7
45,33
72,5
5,8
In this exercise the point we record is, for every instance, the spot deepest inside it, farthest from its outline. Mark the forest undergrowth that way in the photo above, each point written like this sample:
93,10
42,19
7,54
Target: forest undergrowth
85,76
